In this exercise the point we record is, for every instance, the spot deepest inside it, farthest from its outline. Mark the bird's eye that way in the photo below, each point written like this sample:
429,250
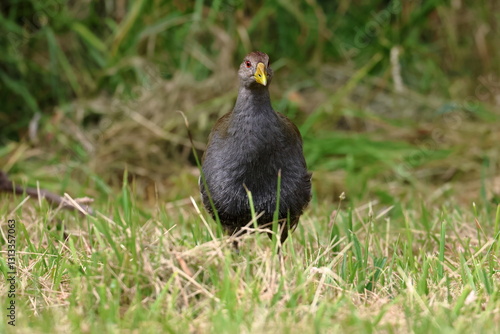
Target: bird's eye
248,64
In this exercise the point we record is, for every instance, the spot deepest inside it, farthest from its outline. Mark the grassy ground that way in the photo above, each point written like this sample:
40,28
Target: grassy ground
399,107
408,267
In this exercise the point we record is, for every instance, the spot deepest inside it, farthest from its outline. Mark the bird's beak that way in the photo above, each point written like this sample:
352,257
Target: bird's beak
260,74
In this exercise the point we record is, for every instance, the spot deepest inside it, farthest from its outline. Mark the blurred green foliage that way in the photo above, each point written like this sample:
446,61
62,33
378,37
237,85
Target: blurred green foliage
55,51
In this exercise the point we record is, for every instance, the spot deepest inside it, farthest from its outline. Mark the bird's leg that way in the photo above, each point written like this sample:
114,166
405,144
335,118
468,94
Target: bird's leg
233,233
236,246
282,232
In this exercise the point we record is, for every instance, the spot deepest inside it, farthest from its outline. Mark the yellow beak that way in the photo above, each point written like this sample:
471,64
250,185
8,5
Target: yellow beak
260,74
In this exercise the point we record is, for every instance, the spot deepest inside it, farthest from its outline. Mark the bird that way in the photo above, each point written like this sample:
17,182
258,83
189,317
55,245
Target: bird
253,149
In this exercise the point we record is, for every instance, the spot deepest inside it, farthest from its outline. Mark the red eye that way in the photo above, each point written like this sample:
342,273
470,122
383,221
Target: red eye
248,64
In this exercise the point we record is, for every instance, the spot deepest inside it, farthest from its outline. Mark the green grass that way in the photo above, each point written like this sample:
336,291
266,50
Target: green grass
365,267
57,51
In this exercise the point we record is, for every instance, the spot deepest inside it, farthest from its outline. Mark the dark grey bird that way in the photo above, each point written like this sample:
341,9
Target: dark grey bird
249,148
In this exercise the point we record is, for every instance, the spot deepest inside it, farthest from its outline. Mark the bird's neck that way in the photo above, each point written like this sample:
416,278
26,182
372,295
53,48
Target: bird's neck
254,100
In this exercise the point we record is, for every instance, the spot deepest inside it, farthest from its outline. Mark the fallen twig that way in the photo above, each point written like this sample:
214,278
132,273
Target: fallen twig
6,185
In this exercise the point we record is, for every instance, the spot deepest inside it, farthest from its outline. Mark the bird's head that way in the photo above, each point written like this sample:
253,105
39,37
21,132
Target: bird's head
255,71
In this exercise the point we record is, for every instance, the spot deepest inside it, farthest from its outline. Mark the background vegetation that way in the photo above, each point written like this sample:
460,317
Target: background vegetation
399,106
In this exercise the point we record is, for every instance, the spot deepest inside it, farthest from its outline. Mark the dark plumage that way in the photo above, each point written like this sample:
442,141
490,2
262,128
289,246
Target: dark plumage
248,147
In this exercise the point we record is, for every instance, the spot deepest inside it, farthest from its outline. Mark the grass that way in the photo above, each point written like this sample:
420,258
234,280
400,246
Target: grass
403,268
58,51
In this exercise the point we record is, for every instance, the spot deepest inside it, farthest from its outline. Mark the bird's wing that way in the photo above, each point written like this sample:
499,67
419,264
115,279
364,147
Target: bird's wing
290,125
219,129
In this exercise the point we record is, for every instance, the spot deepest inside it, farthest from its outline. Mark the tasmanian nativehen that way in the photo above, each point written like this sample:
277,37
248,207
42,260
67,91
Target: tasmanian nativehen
247,149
